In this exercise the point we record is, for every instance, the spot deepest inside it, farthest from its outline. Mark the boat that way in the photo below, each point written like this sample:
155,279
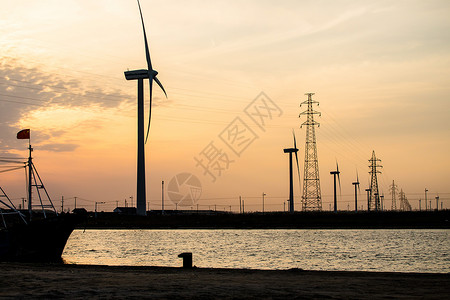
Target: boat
36,234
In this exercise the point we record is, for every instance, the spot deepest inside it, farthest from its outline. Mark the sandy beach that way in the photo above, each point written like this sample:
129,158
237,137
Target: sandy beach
26,281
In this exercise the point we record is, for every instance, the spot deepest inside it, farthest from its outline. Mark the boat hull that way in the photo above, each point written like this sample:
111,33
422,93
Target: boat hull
38,241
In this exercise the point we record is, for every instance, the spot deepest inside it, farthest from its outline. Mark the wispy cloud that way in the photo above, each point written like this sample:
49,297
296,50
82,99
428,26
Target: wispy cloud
30,96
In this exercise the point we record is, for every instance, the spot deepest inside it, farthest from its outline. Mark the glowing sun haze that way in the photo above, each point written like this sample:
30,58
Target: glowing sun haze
380,70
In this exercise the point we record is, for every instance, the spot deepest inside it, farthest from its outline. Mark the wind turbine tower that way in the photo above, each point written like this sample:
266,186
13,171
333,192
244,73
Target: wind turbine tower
356,184
374,201
140,75
336,173
291,175
311,198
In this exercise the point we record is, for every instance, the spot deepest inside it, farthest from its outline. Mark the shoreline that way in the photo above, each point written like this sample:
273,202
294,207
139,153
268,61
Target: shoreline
27,280
270,220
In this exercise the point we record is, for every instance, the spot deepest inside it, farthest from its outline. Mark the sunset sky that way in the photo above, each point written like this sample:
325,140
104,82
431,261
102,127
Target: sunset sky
380,70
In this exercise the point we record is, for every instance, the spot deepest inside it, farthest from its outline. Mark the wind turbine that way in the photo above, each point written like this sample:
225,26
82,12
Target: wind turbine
291,175
334,173
140,75
356,183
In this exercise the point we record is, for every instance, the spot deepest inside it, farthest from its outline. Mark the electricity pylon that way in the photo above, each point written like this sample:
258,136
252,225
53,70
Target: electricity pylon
374,201
404,203
394,194
311,198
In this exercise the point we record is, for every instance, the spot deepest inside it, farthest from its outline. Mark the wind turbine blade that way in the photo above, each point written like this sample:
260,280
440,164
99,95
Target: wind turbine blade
357,180
296,160
339,180
295,142
298,170
160,85
147,52
150,83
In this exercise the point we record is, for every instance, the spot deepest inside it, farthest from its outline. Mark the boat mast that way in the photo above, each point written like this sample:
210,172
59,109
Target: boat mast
30,166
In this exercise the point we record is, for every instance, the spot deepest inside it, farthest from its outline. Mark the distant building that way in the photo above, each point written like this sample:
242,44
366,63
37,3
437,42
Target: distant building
125,210
80,211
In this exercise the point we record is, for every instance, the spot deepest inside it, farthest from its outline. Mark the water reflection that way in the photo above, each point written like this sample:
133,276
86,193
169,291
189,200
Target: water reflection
375,250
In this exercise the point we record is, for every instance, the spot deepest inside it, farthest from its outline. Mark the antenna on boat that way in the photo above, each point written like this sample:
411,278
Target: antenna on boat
34,180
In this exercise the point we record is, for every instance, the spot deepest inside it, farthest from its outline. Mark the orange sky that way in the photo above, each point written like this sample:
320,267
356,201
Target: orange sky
380,71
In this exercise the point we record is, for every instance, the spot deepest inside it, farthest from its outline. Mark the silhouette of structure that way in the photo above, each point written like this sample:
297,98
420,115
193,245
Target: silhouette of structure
291,175
311,197
368,199
404,203
356,184
140,75
336,173
374,197
394,196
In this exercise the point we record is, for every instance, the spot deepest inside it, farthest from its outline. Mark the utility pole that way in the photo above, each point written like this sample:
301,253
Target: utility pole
437,203
96,204
75,202
240,205
162,197
62,204
420,204
263,194
311,198
426,207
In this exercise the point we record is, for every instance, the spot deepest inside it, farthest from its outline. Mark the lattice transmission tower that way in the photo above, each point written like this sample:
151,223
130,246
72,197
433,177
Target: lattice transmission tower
404,203
311,198
394,196
374,196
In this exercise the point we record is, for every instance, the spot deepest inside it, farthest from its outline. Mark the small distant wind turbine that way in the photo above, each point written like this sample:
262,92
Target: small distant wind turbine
291,175
334,173
140,75
356,183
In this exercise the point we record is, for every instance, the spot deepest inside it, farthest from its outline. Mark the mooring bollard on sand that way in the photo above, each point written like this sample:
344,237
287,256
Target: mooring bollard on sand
187,259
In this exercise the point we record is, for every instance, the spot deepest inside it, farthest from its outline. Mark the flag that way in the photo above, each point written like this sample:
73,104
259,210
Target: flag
23,134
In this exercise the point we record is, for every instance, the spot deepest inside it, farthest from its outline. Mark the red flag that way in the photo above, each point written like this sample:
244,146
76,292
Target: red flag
23,134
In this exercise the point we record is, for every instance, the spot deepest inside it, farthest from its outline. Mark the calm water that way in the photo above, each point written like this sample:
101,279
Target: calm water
364,250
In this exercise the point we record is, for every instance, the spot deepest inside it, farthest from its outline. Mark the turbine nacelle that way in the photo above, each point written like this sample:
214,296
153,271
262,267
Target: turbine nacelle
290,150
140,74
